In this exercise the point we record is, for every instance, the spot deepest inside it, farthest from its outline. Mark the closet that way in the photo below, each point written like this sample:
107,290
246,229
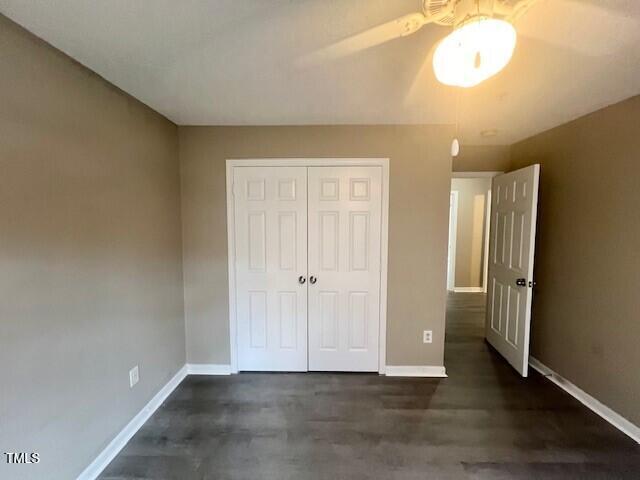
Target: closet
307,267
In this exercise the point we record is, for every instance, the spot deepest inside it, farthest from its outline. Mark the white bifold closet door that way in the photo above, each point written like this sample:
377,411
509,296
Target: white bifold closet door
344,268
307,243
270,207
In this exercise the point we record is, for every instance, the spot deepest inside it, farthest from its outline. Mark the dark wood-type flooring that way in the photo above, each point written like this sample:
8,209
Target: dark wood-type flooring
483,422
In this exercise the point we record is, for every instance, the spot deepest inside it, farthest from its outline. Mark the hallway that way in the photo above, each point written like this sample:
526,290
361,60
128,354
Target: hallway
483,422
530,427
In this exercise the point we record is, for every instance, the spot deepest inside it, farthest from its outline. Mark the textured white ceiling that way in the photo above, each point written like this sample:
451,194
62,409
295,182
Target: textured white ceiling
241,62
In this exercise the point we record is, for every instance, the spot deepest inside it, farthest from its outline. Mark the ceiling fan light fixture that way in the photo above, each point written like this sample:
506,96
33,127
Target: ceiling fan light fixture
475,51
455,147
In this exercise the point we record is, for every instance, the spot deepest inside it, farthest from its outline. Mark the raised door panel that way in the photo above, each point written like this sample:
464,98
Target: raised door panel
257,319
328,317
496,292
287,241
358,321
257,241
329,236
359,241
270,209
288,320
511,324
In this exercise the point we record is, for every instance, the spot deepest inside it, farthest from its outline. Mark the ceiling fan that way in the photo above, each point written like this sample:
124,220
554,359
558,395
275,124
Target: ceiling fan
457,12
481,43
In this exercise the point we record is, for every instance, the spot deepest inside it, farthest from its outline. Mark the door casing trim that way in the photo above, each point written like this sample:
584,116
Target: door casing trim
453,238
384,238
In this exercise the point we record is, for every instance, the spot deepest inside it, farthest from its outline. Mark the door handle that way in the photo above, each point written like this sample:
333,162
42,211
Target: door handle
301,280
521,282
312,280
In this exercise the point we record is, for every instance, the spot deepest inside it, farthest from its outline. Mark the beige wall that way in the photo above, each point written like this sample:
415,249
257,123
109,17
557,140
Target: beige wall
420,172
483,158
91,251
470,238
90,255
586,311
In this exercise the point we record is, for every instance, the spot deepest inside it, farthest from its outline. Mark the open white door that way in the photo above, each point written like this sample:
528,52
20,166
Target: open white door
514,206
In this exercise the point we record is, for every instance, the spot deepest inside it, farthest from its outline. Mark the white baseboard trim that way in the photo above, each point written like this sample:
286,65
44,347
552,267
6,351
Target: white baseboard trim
415,371
208,369
615,419
468,289
113,448
104,458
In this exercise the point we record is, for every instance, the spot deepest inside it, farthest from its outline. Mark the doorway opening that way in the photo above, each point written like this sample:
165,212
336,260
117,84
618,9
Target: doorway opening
469,213
506,281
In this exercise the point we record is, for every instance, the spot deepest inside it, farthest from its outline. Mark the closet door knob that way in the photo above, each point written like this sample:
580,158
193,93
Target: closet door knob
301,280
312,280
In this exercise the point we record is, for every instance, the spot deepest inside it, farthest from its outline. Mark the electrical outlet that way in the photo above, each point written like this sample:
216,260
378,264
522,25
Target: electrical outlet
427,336
134,376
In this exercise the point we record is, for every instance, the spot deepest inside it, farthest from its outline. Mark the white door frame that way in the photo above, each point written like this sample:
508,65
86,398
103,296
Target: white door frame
308,162
453,236
487,219
487,236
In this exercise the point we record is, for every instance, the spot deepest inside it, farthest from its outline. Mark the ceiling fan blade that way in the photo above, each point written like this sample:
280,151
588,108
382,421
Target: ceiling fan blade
400,27
587,29
424,82
515,12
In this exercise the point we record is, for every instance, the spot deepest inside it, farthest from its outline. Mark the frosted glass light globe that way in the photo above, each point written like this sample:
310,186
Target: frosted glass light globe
474,52
455,147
